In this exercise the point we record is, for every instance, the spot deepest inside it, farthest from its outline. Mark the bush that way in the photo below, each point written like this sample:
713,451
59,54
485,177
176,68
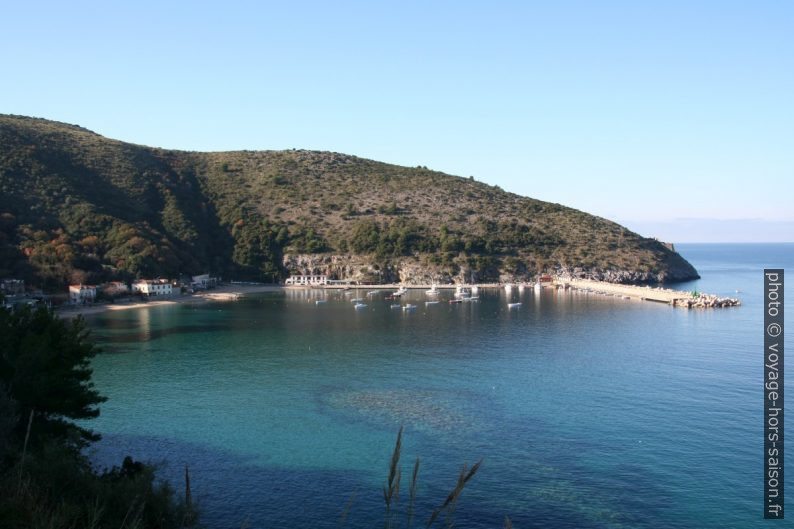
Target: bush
45,480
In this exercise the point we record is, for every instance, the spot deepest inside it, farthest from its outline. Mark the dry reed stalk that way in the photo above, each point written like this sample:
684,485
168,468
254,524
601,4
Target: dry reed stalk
132,506
346,511
391,490
25,448
94,516
188,497
452,498
412,494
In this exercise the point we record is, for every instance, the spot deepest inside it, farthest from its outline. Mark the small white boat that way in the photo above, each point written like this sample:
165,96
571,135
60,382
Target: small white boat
372,292
359,306
462,292
475,289
409,307
538,286
433,291
521,287
514,305
357,300
319,301
472,298
395,305
431,303
508,288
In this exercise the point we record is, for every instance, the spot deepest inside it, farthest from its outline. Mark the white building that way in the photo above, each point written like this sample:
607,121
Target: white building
203,281
153,287
79,294
12,287
306,281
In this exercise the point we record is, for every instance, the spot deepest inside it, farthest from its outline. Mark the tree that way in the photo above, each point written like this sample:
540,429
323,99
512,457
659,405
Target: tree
45,368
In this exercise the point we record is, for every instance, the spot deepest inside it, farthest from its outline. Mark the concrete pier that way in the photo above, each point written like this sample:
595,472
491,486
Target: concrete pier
676,298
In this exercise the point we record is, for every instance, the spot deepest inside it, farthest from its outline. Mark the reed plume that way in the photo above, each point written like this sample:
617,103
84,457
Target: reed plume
412,494
452,499
391,491
346,511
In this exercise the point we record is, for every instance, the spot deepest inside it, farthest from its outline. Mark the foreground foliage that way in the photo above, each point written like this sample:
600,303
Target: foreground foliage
45,481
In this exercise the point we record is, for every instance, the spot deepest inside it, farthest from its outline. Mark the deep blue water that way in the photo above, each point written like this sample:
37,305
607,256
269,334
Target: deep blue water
588,412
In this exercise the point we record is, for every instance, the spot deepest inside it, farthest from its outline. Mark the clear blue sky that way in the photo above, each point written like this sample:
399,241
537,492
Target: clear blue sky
643,112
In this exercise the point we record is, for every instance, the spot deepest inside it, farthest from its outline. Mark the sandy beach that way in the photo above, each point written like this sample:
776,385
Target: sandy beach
222,293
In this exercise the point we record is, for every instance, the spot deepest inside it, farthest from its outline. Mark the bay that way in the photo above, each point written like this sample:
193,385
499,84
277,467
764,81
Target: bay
588,411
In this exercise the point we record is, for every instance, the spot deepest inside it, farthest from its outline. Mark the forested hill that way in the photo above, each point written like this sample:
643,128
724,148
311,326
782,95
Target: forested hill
78,207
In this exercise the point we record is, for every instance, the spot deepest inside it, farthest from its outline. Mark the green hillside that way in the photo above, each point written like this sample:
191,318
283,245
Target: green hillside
78,207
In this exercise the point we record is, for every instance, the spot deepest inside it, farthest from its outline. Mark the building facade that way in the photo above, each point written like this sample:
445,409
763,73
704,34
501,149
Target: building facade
153,287
79,294
12,287
203,281
302,280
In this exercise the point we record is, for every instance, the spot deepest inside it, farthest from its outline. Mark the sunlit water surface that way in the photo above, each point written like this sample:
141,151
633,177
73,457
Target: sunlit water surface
589,412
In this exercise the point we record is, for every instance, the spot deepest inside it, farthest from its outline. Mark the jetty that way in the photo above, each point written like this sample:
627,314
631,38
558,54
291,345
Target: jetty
676,298
417,286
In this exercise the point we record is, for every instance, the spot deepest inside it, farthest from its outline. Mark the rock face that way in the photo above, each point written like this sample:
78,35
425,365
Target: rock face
416,271
409,271
684,272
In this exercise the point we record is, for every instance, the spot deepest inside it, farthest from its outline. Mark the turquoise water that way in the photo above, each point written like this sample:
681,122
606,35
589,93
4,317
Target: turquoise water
589,412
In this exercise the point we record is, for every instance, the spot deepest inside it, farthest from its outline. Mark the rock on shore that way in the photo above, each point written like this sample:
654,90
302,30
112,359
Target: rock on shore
416,271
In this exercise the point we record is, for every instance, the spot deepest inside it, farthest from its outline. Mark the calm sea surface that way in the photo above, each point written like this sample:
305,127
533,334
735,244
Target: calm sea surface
589,412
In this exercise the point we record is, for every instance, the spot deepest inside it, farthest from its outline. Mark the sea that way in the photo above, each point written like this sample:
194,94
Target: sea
584,411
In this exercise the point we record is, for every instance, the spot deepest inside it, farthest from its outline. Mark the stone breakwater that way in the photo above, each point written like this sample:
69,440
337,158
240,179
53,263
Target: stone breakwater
676,298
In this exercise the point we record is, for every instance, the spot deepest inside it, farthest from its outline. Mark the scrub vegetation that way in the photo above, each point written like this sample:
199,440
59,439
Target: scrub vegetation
78,207
45,480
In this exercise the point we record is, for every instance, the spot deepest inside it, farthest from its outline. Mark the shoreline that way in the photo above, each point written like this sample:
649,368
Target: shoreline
222,293
233,292
656,294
